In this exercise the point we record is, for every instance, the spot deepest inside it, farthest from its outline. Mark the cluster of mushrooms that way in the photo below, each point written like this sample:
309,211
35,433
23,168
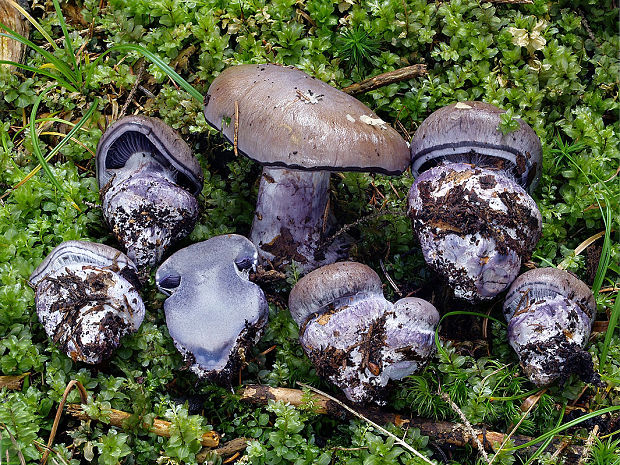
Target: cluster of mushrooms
469,207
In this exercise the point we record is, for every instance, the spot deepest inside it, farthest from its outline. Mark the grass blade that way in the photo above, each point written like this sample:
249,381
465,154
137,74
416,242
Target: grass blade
35,23
39,154
58,63
570,424
172,74
68,44
613,322
34,70
545,444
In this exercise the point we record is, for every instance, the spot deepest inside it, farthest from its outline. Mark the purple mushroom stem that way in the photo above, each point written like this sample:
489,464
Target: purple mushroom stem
292,216
149,181
291,122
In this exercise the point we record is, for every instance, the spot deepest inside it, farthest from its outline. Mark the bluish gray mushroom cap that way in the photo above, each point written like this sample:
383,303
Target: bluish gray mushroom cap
87,299
468,132
213,311
550,314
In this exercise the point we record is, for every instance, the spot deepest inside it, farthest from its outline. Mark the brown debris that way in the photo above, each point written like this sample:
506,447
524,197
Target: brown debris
442,432
385,79
159,427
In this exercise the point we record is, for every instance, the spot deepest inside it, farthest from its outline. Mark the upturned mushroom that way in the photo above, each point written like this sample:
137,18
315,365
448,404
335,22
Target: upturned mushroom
213,312
550,314
469,206
87,299
12,50
354,336
300,129
149,181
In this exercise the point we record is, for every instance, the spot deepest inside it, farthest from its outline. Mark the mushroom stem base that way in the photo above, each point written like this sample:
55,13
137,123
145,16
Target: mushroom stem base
292,217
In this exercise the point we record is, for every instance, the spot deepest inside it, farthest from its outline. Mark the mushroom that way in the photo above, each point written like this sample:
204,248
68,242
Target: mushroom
354,336
213,312
550,314
300,129
11,17
149,181
87,299
468,206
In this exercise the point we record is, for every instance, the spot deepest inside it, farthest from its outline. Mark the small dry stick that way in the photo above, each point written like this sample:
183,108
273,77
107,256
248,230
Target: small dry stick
532,401
132,92
159,427
588,445
370,422
229,448
83,397
236,134
467,424
368,217
385,79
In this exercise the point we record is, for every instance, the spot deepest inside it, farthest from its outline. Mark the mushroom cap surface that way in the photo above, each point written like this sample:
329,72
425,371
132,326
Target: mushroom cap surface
288,118
468,132
138,133
321,287
213,311
548,283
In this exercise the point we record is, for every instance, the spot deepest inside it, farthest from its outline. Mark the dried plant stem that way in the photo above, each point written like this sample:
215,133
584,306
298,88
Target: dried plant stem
467,424
368,217
385,79
588,446
132,92
232,447
367,420
159,427
83,397
442,432
529,404
236,133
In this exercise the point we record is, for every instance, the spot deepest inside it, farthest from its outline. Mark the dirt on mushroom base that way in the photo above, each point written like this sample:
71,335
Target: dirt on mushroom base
466,203
74,294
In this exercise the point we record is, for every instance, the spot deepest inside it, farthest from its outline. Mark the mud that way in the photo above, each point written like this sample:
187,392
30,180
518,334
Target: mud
284,247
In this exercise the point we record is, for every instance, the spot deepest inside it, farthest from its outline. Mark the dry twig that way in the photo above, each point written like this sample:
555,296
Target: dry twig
367,420
159,427
442,432
83,397
385,79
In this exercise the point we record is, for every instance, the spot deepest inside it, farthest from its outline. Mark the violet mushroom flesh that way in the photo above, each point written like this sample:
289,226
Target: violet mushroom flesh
10,49
550,314
469,206
87,299
213,312
354,336
149,181
300,129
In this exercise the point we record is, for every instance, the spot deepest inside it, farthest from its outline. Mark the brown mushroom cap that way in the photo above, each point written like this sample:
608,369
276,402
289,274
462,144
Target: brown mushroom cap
543,282
466,127
132,132
288,118
324,285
